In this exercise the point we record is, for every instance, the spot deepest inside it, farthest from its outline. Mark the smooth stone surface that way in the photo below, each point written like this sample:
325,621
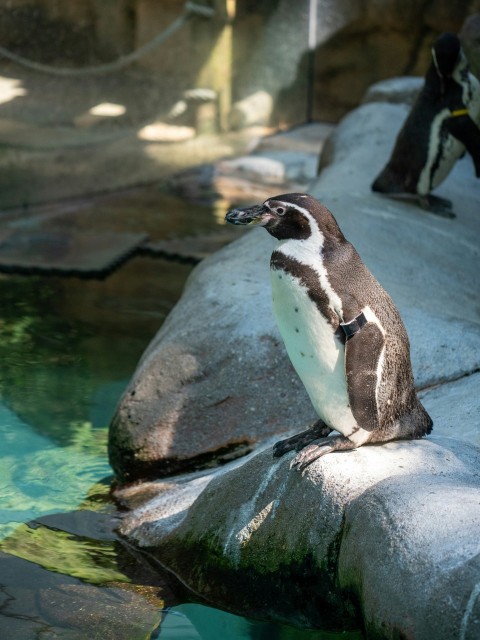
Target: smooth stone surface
455,409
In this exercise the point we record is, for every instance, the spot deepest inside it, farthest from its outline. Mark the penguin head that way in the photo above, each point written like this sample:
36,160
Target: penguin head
446,53
295,216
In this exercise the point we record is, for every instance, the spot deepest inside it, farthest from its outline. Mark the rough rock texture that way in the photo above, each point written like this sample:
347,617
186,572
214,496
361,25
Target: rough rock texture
470,39
359,43
216,379
388,533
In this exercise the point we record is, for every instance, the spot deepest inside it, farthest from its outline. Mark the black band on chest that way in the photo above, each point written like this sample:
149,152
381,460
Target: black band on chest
352,327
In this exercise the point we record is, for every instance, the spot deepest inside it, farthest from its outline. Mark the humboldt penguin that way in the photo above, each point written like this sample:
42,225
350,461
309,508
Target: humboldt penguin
441,125
342,332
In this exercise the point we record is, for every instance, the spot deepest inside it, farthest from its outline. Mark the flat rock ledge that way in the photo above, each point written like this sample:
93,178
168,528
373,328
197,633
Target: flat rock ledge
384,538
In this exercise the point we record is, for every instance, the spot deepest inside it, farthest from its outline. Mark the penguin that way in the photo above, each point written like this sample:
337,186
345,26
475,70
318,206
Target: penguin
441,126
342,332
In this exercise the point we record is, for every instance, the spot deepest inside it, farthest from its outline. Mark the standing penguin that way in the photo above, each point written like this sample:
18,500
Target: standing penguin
342,332
442,124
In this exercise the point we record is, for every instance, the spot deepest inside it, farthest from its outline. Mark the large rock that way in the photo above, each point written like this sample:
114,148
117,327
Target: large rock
385,533
216,379
384,537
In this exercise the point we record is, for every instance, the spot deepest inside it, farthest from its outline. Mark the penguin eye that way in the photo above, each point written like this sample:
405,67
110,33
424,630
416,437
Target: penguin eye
281,211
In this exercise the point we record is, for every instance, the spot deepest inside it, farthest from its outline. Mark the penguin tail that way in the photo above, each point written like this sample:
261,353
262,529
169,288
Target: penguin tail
417,423
387,182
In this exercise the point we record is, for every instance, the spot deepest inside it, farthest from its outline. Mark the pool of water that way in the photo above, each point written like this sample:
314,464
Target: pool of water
67,349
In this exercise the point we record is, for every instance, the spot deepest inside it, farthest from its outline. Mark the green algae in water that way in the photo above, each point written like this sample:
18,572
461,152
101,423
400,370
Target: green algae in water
92,561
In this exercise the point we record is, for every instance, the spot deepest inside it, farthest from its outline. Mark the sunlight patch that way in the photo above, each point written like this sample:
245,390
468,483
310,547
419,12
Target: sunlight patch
244,535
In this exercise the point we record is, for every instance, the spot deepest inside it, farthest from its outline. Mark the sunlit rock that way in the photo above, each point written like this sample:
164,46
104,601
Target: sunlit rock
388,532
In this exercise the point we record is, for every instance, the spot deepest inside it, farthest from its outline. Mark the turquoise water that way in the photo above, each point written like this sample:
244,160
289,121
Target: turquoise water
67,350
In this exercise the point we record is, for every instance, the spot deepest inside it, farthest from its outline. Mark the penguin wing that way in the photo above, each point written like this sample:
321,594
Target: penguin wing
467,132
362,356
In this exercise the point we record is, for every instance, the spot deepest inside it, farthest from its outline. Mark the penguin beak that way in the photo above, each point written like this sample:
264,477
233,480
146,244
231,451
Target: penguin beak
258,214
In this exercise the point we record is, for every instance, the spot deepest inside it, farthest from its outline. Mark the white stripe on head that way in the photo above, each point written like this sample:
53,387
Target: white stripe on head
316,238
309,251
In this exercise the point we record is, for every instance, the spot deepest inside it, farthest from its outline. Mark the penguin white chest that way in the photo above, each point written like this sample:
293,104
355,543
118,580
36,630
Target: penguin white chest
316,354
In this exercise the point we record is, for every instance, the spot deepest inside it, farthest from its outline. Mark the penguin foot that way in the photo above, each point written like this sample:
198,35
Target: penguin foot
319,448
439,206
318,430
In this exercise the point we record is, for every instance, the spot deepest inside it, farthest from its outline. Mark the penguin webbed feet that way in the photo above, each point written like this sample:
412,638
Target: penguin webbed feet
319,448
435,204
300,440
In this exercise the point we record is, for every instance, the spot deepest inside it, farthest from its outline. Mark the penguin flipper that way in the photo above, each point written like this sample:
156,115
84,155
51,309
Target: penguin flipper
362,355
467,132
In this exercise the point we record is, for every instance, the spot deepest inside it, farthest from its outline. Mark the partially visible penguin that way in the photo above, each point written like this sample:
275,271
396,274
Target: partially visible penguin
441,125
342,332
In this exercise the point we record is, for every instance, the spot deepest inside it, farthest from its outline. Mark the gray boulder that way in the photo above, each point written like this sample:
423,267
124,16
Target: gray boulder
216,379
385,533
384,537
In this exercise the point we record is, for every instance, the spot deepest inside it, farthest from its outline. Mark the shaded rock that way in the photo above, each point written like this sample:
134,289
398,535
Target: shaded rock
361,43
470,39
389,531
455,409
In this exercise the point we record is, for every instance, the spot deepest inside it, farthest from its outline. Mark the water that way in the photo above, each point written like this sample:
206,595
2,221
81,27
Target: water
67,350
